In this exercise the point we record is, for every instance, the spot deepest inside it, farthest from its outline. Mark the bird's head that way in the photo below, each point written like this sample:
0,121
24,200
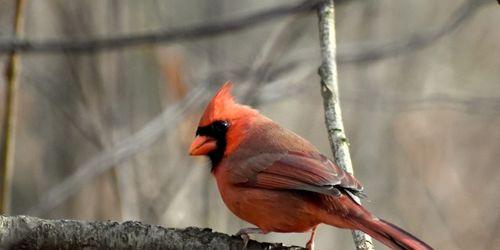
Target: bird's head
222,126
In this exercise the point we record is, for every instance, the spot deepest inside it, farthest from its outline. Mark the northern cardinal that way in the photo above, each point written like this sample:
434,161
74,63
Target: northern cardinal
278,181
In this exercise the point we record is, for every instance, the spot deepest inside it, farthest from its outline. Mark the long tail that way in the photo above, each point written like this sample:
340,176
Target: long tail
388,233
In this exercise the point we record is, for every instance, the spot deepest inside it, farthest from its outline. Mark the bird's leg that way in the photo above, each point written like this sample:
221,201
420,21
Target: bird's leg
244,232
310,243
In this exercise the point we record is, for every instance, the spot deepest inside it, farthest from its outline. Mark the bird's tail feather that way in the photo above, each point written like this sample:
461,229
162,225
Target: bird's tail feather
389,234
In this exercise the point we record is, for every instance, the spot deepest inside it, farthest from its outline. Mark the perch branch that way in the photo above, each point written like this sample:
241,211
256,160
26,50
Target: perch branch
24,232
330,93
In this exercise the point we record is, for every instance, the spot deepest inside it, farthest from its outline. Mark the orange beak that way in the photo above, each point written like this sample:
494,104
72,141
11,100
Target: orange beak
202,145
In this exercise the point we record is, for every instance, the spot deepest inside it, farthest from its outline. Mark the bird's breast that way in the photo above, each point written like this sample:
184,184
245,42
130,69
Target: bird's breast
270,210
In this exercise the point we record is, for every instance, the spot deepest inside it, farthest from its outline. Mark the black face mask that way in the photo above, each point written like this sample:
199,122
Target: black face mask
216,130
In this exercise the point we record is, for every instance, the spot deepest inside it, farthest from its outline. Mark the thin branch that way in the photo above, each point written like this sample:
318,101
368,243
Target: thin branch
396,102
8,146
330,93
130,146
287,86
371,51
368,52
178,34
358,53
294,84
278,43
24,232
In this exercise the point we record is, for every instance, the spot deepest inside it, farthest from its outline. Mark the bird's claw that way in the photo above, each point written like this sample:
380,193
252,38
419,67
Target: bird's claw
245,238
243,233
310,245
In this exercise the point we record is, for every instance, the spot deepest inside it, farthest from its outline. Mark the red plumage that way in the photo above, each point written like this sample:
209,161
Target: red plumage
278,181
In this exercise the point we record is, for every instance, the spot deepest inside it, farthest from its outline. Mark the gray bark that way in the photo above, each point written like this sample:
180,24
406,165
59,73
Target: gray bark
24,232
330,93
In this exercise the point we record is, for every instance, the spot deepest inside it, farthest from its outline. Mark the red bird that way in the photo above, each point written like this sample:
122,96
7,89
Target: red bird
278,181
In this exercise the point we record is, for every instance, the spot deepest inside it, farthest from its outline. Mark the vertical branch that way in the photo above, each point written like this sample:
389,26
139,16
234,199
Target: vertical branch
330,93
7,154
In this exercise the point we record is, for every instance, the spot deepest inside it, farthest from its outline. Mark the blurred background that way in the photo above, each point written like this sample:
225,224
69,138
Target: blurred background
104,135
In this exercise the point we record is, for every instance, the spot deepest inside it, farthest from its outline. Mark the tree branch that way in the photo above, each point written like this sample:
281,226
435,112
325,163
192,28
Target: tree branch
24,232
127,147
372,52
7,145
359,53
330,93
178,34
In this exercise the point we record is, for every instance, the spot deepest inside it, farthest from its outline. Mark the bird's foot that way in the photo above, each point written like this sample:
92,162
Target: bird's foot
244,234
310,243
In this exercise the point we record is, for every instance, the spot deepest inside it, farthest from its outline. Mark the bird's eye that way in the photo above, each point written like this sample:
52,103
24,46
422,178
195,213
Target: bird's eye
220,126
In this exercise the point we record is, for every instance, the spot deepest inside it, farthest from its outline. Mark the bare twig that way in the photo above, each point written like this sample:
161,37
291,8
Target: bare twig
121,151
82,126
185,33
293,84
8,146
369,52
278,43
396,102
24,232
372,51
288,85
330,93
356,53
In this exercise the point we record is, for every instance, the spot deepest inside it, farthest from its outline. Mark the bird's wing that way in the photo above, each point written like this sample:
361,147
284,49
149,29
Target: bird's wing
297,171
